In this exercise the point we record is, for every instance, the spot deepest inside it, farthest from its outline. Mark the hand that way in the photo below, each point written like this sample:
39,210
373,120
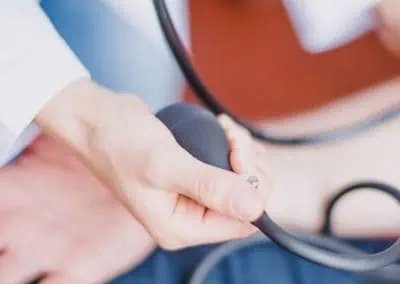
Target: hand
179,200
389,28
311,175
57,219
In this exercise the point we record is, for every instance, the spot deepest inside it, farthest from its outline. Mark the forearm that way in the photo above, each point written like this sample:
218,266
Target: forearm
306,178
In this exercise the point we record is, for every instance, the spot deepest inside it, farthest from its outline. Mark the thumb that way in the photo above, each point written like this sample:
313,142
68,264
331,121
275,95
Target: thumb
389,24
214,188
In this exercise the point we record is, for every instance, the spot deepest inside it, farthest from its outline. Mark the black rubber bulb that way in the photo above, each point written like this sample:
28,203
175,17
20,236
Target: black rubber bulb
198,131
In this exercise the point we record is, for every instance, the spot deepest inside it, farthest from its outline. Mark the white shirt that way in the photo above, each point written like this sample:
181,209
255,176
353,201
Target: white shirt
35,64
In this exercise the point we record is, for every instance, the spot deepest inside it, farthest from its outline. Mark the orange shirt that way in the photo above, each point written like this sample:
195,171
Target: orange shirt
248,54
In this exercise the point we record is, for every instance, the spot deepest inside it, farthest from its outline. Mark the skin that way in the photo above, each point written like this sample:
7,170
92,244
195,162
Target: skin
89,192
67,201
312,175
389,25
93,237
136,166
67,225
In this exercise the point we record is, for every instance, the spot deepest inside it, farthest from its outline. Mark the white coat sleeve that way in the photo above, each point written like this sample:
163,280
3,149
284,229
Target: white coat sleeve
35,64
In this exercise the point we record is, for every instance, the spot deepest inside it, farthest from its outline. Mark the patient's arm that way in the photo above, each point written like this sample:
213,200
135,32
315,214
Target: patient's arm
304,178
57,219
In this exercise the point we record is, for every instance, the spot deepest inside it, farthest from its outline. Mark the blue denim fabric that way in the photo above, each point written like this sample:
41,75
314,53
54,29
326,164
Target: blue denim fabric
261,264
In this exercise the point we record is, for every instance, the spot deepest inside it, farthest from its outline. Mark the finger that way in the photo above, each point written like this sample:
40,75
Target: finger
191,224
241,145
242,155
218,228
176,221
14,270
214,188
246,158
211,227
389,24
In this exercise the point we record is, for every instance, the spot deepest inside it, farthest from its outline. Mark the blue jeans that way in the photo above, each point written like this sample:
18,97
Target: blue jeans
103,43
258,264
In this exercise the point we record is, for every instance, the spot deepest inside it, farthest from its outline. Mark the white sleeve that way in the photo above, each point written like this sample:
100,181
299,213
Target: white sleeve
35,63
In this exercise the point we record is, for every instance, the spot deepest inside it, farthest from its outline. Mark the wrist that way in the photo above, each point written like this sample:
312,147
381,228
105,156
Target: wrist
73,113
91,121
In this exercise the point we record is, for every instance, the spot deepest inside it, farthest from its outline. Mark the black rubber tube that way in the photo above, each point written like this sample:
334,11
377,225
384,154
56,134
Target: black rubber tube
198,131
348,262
209,99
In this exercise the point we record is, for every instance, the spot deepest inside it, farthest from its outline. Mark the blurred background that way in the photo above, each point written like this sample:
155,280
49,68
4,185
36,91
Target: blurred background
242,48
256,55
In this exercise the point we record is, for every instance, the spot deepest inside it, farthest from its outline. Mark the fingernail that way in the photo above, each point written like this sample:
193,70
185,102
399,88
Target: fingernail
250,205
253,180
